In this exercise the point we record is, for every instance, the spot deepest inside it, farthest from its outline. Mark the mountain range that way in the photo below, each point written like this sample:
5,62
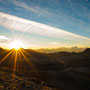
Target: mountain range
55,71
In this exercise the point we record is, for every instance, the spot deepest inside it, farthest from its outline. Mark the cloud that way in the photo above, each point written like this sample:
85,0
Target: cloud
4,40
63,17
63,37
24,5
23,25
55,43
66,16
3,37
35,9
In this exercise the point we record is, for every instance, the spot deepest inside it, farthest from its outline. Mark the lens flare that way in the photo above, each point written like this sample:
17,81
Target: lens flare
17,45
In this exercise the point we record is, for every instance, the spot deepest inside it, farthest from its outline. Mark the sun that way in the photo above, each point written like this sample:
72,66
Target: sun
17,45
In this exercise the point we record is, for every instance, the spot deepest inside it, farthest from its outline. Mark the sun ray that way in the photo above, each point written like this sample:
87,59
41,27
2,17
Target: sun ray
19,57
29,54
13,53
32,67
21,37
11,59
6,56
15,61
13,35
14,69
25,58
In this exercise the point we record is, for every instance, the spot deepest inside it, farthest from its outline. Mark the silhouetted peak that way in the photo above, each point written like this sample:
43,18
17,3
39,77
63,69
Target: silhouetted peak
1,49
87,50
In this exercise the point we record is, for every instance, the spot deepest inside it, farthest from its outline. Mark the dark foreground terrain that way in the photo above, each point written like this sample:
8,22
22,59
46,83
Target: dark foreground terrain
41,71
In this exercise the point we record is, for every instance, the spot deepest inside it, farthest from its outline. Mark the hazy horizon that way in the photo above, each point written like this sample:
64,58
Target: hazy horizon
54,50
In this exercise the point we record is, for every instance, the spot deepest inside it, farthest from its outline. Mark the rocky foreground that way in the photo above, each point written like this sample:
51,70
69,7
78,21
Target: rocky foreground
68,79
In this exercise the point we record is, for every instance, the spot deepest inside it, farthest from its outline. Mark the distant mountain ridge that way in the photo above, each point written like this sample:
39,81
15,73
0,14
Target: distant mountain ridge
61,49
54,60
87,50
71,59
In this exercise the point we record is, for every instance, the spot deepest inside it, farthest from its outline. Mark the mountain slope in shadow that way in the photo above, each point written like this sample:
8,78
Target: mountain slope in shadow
54,71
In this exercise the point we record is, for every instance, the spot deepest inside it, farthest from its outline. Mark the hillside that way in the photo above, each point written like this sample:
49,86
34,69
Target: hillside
54,71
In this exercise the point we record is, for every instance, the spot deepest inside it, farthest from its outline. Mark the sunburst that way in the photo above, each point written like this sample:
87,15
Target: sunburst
17,50
17,44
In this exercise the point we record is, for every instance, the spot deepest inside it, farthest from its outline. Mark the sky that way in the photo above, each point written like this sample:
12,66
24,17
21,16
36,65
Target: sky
45,23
